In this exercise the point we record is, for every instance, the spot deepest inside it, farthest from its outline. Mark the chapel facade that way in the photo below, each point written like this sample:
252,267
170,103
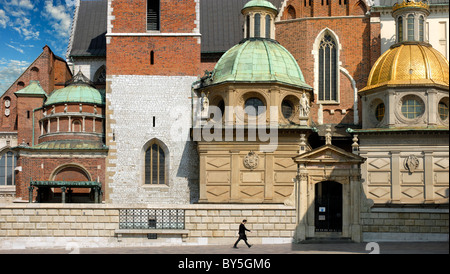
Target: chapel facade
280,105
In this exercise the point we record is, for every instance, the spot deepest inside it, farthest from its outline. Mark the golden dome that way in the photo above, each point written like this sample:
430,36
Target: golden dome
411,4
407,64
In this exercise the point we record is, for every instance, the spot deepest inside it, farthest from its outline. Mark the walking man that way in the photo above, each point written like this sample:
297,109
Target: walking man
242,235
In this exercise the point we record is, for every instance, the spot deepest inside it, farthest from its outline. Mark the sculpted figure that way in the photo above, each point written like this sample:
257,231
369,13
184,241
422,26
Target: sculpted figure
204,104
304,106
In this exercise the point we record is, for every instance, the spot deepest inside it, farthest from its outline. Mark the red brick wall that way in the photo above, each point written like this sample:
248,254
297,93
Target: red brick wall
175,16
25,106
358,47
48,70
324,8
43,168
72,174
178,56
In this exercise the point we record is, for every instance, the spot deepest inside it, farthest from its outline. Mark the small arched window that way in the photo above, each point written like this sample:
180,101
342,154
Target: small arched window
421,28
100,75
291,12
76,126
155,165
400,29
7,165
410,27
152,57
328,71
257,25
247,35
268,26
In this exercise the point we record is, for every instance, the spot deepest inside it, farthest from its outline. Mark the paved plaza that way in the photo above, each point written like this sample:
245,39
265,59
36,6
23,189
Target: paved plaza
313,248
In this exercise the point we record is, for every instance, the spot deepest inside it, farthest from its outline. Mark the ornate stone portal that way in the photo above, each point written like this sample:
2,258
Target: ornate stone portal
328,165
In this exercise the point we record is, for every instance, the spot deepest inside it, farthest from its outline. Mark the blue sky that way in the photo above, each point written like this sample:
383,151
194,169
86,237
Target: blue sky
26,26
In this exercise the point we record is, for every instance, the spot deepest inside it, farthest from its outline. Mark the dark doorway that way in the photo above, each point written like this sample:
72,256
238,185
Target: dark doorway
328,207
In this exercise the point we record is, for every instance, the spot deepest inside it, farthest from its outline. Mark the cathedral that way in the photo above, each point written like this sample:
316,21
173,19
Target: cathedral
312,119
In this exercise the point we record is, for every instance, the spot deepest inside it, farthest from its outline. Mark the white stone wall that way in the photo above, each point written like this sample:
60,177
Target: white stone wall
437,28
88,66
133,101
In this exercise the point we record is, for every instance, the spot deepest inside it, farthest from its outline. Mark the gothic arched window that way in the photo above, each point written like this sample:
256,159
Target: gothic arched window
155,165
328,69
100,75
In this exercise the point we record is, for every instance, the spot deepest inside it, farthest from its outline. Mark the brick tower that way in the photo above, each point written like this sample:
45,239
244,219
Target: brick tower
153,57
339,44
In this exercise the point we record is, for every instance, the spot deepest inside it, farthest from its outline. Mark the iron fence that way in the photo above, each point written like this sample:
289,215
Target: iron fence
151,218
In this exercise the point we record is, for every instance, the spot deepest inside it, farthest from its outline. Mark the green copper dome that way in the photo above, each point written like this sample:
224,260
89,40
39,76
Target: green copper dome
260,3
77,90
33,89
258,60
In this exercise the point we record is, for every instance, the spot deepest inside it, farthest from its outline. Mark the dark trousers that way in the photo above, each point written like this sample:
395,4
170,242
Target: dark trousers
242,237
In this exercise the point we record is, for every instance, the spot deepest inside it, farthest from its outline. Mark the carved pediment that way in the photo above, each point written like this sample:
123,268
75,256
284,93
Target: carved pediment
329,154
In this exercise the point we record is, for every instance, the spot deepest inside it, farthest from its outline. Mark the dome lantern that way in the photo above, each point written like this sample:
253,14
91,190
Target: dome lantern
259,17
410,19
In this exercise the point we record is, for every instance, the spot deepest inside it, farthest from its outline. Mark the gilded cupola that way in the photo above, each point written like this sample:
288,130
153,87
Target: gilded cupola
408,85
412,60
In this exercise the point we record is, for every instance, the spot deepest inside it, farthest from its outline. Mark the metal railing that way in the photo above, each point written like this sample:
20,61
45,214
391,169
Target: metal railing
151,218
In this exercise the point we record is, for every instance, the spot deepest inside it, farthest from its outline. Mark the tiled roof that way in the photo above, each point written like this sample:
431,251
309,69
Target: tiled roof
220,25
90,29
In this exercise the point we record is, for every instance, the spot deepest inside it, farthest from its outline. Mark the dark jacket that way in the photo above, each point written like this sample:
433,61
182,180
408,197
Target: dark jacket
242,229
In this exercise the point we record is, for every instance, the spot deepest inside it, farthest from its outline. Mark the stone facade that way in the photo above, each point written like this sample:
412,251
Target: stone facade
393,187
405,224
149,99
386,176
81,225
142,109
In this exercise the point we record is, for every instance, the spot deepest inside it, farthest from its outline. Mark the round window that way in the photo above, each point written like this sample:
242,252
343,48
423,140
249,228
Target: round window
287,109
254,106
379,112
412,107
443,110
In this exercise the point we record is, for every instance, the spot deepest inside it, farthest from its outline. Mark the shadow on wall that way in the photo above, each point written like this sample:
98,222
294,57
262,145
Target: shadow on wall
188,168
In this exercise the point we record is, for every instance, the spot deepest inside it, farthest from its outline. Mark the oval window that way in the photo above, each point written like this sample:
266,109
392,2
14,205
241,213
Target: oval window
287,109
412,107
443,110
254,106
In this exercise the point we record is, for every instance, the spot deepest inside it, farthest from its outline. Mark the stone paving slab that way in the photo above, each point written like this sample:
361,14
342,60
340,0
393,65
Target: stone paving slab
331,248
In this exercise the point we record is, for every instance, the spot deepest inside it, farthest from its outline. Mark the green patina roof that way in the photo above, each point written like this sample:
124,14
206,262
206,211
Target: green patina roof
77,90
75,94
87,184
70,145
33,89
398,129
260,3
259,60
